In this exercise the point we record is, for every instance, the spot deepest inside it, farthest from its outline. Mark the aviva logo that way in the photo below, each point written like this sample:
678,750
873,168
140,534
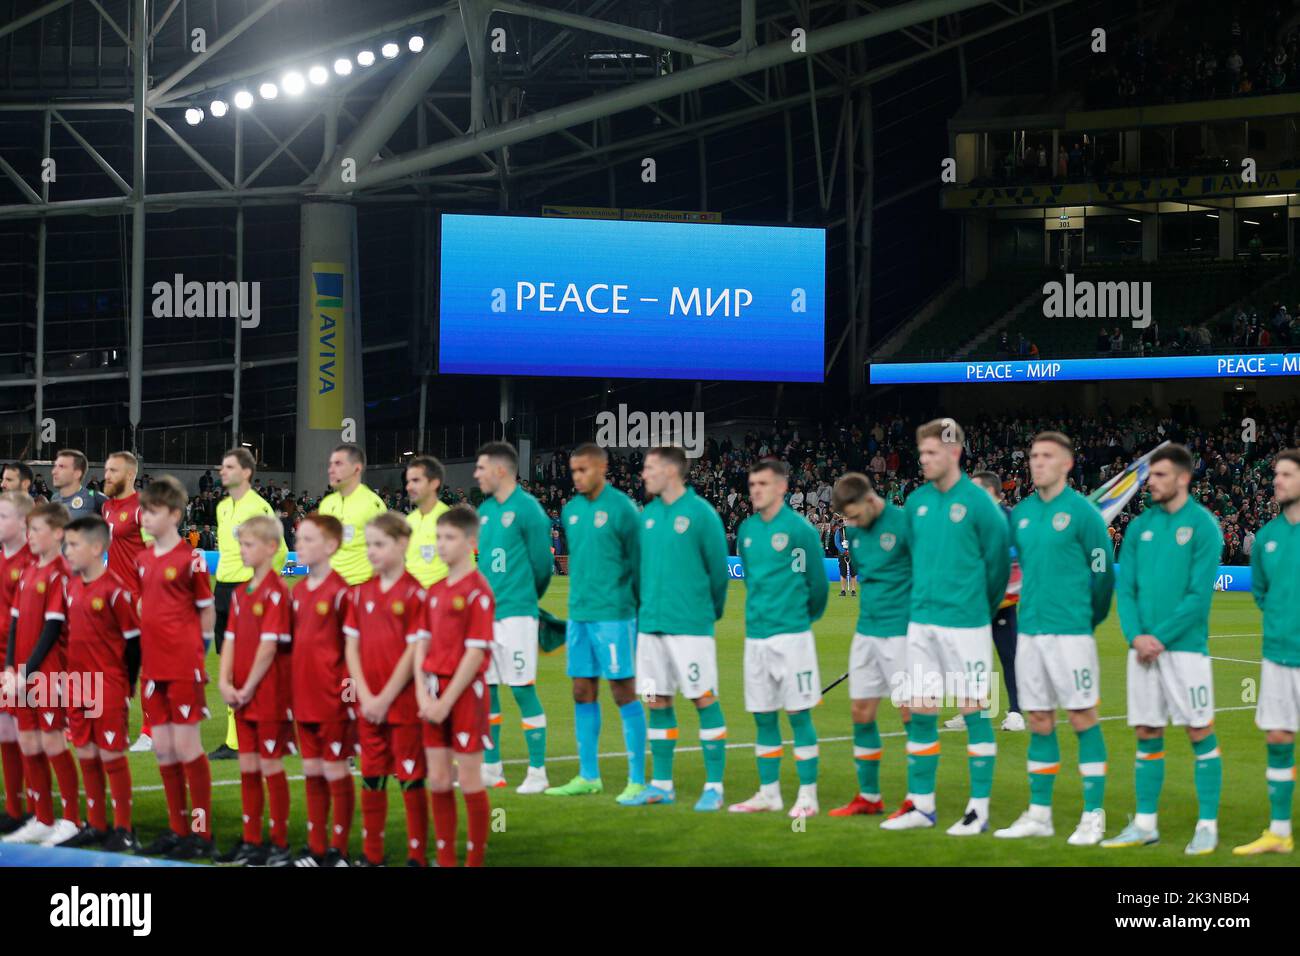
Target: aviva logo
328,345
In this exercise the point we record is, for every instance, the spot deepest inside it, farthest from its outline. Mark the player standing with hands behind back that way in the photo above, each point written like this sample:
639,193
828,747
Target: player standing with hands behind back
961,559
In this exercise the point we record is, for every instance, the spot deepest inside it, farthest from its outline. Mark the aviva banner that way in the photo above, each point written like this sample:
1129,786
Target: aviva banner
1154,189
328,346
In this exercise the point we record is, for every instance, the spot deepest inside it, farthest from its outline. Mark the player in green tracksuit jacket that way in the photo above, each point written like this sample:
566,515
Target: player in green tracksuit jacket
786,589
683,592
514,554
961,560
1167,567
1275,582
603,531
1067,580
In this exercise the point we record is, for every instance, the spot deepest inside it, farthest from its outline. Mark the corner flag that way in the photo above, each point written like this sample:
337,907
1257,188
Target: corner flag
1111,497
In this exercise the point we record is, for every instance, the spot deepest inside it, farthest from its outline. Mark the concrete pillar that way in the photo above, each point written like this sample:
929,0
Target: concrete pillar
1227,232
330,402
1150,238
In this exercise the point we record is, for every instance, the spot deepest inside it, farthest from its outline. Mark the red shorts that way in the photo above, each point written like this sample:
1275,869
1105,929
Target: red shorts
174,702
466,728
107,731
42,704
266,738
41,718
391,749
327,739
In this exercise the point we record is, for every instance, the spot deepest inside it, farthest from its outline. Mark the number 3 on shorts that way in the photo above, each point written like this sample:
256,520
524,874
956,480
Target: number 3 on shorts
693,673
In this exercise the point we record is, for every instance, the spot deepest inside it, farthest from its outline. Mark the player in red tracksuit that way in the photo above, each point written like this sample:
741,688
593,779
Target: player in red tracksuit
452,692
326,723
384,618
176,621
103,661
35,668
15,506
254,684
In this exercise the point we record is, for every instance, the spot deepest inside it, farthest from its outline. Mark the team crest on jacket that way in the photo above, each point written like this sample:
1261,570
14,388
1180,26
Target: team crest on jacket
922,511
1147,535
399,607
887,541
458,603
322,608
169,574
428,552
649,522
97,603
1061,520
482,519
507,518
15,574
601,518
77,502
681,523
1271,547
780,540
349,532
573,519
121,516
258,609
40,587
1024,523
1183,535
957,511
748,542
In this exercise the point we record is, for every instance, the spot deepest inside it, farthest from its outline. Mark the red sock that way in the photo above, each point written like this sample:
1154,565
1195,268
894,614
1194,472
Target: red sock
417,825
277,793
39,798
374,811
173,778
444,825
198,774
119,784
318,811
92,777
65,771
476,808
343,795
250,798
12,757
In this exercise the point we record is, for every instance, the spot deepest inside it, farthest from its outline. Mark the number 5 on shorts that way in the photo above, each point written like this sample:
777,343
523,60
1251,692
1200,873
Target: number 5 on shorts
519,662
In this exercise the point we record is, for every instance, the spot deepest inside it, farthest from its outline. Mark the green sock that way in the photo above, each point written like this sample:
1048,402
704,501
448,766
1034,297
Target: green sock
1092,767
713,741
533,721
768,747
663,742
1209,777
1281,780
923,757
866,754
493,754
805,746
1150,773
982,755
1044,765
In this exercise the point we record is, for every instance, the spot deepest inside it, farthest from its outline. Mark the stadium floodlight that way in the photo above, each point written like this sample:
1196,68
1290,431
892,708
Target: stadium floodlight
243,99
293,83
194,116
390,50
219,108
269,91
1131,219
366,58
415,44
1249,222
317,75
343,66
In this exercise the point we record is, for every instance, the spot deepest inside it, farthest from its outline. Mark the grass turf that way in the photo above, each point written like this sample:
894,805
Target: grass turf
594,830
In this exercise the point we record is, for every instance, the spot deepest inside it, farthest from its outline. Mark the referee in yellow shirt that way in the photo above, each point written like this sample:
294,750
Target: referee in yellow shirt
354,504
424,477
242,503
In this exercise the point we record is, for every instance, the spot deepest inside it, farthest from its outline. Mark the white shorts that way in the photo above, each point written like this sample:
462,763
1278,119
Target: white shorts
877,667
1057,670
1279,698
949,662
781,673
668,663
1177,687
514,652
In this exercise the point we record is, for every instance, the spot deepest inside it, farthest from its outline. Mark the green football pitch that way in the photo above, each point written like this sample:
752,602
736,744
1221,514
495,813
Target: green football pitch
585,831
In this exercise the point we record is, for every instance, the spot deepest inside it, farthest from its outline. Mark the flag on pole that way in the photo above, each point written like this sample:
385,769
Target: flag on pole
1111,497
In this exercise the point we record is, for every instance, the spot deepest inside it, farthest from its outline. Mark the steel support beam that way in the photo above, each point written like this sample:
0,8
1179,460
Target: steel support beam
214,48
32,17
100,161
659,41
139,137
651,91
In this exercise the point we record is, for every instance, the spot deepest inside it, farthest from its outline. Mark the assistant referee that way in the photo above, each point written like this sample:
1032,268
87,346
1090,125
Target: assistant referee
354,504
424,478
242,503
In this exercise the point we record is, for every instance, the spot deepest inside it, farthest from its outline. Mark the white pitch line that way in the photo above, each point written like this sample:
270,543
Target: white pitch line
568,758
1235,660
